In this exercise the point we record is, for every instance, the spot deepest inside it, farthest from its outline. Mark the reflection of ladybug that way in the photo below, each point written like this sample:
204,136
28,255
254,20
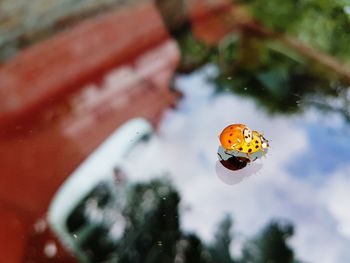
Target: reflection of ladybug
234,163
240,145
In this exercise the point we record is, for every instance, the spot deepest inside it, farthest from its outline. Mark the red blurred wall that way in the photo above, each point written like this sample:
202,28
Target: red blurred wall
52,117
60,98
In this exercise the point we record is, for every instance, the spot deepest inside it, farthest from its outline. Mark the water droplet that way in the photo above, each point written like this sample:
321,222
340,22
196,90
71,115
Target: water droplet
50,249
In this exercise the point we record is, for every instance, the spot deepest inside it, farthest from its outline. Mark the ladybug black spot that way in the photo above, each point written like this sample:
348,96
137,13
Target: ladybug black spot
240,148
249,150
229,141
256,142
257,146
230,134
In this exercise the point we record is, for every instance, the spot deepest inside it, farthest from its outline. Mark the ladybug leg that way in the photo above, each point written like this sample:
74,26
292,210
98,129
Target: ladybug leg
220,156
229,154
248,155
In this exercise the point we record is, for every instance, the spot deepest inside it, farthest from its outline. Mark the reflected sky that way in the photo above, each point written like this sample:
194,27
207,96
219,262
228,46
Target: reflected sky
305,177
329,151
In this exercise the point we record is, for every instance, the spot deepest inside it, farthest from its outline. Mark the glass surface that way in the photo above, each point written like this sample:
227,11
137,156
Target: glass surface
297,190
72,73
303,179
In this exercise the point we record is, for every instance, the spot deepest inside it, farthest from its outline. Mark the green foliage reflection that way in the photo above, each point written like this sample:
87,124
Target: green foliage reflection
295,57
153,234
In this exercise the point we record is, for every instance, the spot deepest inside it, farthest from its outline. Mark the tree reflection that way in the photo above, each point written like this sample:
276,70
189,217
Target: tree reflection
153,234
153,224
220,249
285,62
271,245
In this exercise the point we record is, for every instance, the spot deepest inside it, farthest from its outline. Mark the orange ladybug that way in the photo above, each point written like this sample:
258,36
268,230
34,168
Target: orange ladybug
235,135
240,138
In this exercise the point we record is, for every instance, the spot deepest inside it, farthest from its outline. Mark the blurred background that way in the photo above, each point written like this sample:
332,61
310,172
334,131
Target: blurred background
110,113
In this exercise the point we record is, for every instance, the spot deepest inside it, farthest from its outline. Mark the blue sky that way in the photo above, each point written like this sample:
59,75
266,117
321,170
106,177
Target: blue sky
329,151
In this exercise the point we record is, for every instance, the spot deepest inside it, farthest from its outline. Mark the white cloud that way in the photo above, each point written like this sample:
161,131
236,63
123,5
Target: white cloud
335,194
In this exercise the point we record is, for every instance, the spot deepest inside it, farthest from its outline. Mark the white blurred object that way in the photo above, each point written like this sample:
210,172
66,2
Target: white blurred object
102,167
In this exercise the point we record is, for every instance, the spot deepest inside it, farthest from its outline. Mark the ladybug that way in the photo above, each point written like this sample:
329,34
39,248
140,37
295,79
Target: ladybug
240,145
235,135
